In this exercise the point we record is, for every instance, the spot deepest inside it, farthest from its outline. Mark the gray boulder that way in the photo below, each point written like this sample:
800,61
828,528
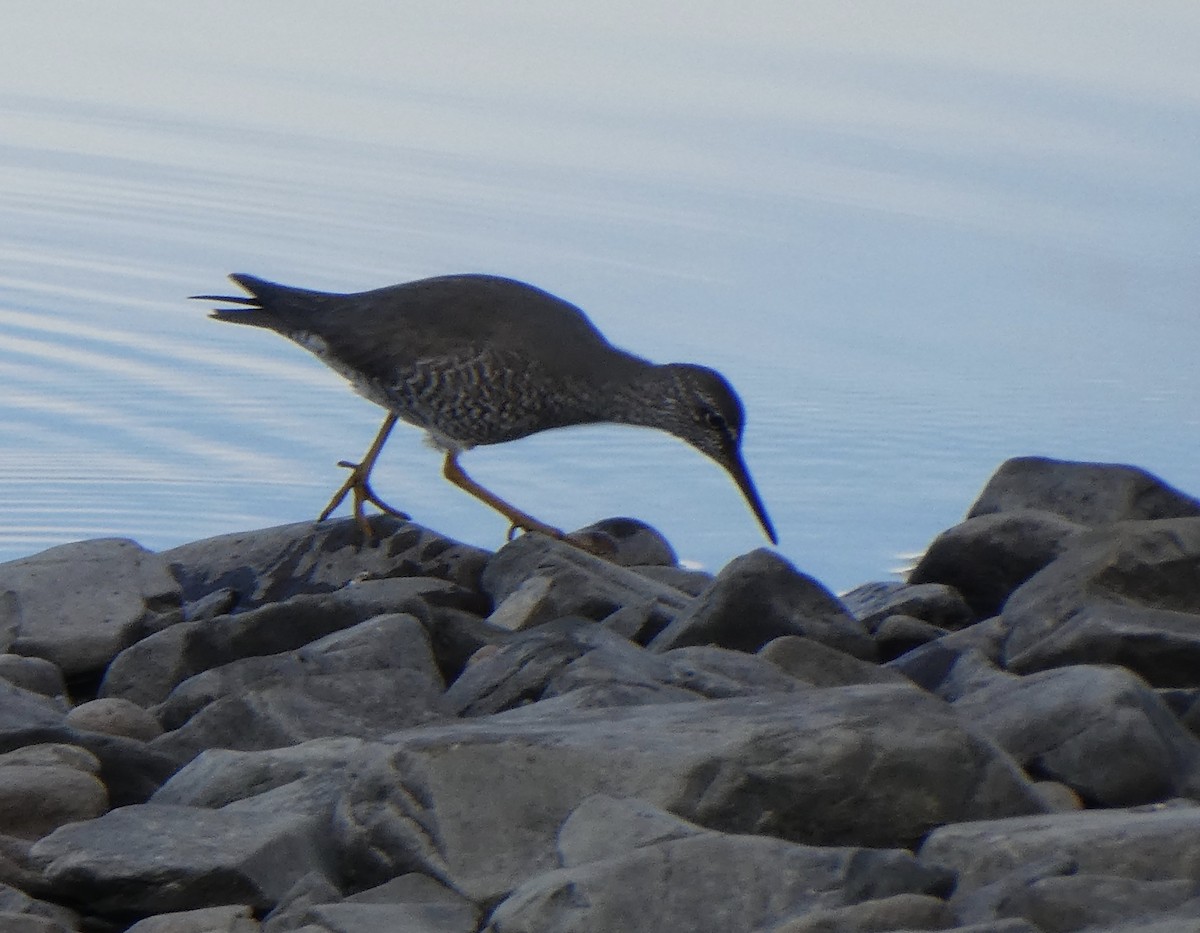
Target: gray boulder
1086,493
271,565
477,805
79,604
1126,594
757,598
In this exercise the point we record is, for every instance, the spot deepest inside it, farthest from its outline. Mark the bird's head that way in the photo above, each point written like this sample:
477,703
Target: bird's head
698,405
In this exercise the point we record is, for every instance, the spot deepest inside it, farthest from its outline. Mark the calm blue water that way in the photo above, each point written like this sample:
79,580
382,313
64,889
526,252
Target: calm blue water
918,239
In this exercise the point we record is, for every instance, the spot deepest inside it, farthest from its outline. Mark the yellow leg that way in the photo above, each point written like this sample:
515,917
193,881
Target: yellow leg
358,483
453,472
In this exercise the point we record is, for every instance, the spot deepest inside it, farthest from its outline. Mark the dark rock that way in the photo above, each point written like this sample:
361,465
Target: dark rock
788,765
154,858
21,710
736,882
634,543
759,597
1149,844
34,674
934,603
1101,731
1126,594
275,564
535,579
365,681
17,906
79,604
1087,493
959,663
822,666
147,672
897,635
686,580
455,635
987,557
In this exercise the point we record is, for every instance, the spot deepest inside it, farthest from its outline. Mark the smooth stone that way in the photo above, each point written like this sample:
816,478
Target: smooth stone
115,716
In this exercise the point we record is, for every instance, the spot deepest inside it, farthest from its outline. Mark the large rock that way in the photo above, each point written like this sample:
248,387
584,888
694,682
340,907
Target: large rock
79,604
1099,730
365,681
695,879
1086,493
757,598
478,804
1126,594
274,564
154,858
147,672
1143,844
986,557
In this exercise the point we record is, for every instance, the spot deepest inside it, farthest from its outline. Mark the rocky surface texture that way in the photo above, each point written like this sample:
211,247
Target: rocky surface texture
290,729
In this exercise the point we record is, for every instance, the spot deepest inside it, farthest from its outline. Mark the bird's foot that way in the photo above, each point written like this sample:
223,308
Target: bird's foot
596,543
357,483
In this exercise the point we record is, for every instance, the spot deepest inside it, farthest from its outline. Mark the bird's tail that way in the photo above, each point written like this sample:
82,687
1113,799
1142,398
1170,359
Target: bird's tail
268,304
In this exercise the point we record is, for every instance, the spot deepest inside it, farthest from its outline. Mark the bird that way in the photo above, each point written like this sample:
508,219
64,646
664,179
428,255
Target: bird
476,359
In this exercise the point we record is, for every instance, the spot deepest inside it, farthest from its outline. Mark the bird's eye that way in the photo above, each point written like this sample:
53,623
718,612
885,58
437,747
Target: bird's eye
713,419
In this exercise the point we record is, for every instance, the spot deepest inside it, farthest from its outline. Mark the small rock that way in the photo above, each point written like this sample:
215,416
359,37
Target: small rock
37,799
115,716
231,918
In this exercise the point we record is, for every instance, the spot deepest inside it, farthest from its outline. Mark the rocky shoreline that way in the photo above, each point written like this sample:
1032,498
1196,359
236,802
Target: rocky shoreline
286,730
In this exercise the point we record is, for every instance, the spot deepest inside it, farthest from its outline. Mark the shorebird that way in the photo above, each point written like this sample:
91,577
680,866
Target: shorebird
481,359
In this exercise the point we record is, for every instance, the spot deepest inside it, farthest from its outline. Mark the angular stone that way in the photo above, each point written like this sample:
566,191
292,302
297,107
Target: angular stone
934,603
1087,493
16,904
115,716
1146,844
220,776
1101,731
958,663
148,671
709,882
272,565
231,918
759,597
365,681
155,858
79,604
37,799
898,912
535,579
478,804
1127,594
822,666
986,557
897,635
1079,901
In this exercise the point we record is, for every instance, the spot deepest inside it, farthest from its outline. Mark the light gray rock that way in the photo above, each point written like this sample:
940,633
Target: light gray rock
26,923
1067,903
79,604
36,799
23,710
1087,493
52,754
34,674
1100,730
1148,844
708,881
1125,594
898,912
115,716
478,804
604,827
148,671
759,597
272,565
155,858
229,918
220,776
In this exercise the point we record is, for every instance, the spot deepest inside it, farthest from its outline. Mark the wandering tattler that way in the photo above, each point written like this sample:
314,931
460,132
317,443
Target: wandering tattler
480,359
